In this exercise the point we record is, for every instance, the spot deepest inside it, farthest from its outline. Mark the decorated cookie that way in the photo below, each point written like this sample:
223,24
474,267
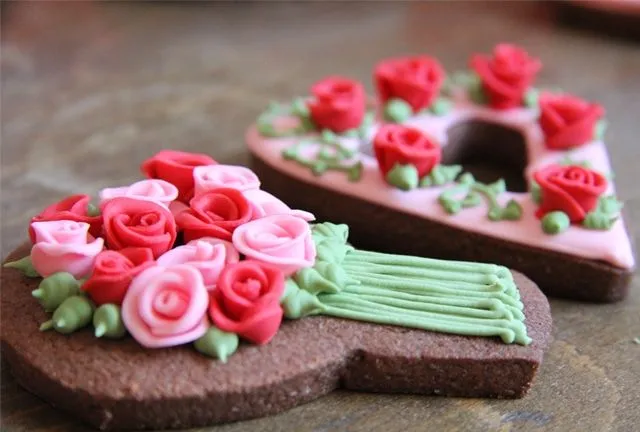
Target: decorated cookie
479,165
153,310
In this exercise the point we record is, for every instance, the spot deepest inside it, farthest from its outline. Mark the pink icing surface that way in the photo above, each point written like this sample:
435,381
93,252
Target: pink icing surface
612,246
166,306
64,246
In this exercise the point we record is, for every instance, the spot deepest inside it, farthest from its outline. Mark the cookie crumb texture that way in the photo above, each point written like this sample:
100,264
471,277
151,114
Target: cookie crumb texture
117,384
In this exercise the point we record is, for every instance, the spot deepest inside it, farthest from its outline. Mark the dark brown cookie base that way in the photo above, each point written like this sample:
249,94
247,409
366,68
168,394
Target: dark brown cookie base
119,385
594,18
557,274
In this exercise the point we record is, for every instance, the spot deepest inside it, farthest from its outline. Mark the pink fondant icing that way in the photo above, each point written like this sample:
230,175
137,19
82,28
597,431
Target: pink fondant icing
210,177
264,204
64,246
207,254
612,246
280,240
159,191
166,306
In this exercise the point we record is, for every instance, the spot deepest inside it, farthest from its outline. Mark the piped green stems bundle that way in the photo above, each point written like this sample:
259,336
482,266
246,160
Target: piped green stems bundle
463,298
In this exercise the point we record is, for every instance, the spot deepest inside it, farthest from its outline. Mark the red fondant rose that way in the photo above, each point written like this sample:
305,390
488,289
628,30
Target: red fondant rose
397,144
216,213
415,80
247,301
570,189
567,121
113,272
337,104
130,222
73,208
176,167
507,75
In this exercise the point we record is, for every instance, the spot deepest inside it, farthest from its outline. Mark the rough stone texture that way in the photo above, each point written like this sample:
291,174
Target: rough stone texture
119,384
90,89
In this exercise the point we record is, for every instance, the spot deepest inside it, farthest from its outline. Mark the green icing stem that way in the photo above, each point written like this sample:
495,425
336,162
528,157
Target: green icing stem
449,326
324,160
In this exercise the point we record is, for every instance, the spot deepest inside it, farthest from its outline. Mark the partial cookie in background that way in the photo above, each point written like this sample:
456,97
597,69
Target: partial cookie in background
618,18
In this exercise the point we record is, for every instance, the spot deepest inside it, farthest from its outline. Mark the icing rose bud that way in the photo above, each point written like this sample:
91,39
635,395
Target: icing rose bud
216,176
64,246
176,167
571,189
166,306
158,191
280,240
567,121
264,204
507,75
396,144
214,214
247,301
73,208
113,272
337,104
207,254
130,222
416,80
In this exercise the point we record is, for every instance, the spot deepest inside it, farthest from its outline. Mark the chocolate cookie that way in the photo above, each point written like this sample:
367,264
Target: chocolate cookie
116,384
479,165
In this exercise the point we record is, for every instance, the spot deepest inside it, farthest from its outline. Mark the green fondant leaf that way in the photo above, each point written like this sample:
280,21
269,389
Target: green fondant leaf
332,250
306,125
397,111
93,210
555,222
217,344
440,174
355,172
495,214
450,205
107,321
609,205
326,155
513,211
466,179
351,133
403,177
328,137
530,99
309,279
497,187
599,221
600,129
472,199
290,153
441,106
536,192
298,303
74,313
55,289
319,167
476,93
328,230
24,265
299,108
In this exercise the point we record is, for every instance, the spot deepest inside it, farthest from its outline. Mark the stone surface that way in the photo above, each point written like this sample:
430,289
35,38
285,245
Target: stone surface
90,89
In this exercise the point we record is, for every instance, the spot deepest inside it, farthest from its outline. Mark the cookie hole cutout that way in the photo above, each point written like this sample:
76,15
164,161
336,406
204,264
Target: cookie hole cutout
489,151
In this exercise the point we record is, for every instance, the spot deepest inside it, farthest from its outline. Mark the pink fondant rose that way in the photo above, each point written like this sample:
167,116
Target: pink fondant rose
415,80
230,176
507,75
64,246
130,222
337,104
216,213
280,240
158,191
113,272
264,204
207,254
571,189
396,144
567,121
166,306
247,301
73,208
176,167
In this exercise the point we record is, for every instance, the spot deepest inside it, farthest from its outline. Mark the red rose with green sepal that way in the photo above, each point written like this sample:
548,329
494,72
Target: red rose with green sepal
402,145
415,80
337,104
567,121
506,76
571,189
247,301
